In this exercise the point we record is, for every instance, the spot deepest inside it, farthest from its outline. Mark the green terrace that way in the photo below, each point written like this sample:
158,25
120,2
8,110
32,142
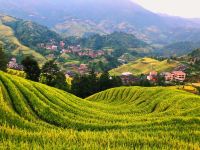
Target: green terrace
36,116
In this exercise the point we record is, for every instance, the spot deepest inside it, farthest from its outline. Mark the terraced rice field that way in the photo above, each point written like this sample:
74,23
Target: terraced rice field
145,66
8,38
35,116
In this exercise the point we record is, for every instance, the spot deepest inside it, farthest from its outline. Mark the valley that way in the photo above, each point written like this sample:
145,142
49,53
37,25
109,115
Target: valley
103,74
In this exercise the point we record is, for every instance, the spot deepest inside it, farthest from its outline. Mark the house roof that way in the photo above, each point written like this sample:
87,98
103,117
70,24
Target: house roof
153,73
179,72
127,74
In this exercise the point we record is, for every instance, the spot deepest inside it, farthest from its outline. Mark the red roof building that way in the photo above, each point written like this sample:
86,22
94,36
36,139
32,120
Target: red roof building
179,75
152,76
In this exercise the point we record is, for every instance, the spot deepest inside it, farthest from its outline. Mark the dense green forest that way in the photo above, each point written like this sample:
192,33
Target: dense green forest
114,40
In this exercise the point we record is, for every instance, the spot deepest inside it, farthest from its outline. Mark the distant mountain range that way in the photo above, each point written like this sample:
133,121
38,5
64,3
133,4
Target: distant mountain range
22,38
83,17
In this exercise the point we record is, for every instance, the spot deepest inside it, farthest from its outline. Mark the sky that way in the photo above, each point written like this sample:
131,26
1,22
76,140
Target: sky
182,8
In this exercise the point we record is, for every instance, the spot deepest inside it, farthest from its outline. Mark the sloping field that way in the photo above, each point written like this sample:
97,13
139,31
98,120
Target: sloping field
144,66
35,116
12,43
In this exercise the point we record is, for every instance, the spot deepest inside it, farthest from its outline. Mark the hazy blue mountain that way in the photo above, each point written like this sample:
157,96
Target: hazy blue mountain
52,12
80,17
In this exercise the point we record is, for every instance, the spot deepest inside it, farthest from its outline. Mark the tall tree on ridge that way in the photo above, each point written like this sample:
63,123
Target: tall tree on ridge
52,76
3,59
31,68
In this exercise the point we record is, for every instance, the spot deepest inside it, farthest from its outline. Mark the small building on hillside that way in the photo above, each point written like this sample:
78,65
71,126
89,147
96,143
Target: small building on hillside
128,78
54,48
83,68
175,76
51,47
62,44
168,76
152,76
75,49
100,52
179,75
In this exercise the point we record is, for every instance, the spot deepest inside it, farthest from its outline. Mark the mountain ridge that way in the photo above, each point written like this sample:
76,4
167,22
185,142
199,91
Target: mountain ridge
104,16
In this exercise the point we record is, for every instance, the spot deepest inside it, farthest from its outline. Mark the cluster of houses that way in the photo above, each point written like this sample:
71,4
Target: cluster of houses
129,79
81,69
72,49
75,68
52,45
77,50
168,76
175,76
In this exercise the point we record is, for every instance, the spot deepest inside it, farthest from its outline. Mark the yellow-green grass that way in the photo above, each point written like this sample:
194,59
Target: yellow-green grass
196,84
5,18
69,80
188,88
144,66
16,73
7,36
35,116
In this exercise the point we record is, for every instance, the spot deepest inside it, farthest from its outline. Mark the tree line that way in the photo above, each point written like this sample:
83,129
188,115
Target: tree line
86,85
3,59
82,85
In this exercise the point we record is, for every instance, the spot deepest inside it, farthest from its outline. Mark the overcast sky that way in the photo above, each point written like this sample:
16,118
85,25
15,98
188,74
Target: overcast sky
183,8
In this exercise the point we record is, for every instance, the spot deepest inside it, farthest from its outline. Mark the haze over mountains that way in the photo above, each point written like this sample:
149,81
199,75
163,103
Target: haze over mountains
83,17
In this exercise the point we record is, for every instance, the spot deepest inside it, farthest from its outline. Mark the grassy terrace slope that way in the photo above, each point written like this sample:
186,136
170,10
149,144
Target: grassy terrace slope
145,65
11,43
35,116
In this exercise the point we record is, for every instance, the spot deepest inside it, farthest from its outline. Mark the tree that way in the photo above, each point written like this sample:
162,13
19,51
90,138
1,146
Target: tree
84,86
119,52
161,80
98,42
81,86
105,81
116,81
75,87
144,81
31,69
198,89
3,59
52,76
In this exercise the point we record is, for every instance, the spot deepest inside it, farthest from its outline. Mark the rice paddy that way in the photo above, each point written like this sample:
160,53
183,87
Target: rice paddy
35,116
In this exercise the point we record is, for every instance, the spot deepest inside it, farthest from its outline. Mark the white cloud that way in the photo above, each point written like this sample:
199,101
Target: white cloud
184,8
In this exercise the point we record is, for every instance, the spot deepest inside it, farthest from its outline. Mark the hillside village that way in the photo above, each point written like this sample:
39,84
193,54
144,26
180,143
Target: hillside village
74,50
177,75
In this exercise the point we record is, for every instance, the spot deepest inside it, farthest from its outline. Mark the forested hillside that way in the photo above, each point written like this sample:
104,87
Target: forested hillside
12,45
25,38
114,40
29,33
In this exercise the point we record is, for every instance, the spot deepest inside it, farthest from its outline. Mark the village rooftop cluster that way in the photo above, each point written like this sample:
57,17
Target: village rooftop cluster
75,50
175,76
